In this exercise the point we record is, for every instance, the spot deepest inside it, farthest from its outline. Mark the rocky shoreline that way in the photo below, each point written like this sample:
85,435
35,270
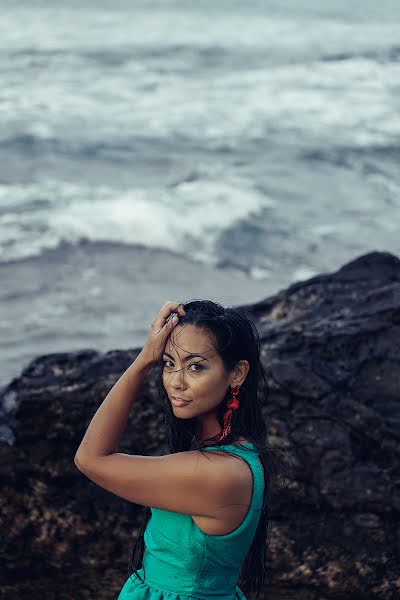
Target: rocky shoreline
331,352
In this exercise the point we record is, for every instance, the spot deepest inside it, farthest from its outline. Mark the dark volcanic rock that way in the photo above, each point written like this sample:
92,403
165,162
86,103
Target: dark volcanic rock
331,350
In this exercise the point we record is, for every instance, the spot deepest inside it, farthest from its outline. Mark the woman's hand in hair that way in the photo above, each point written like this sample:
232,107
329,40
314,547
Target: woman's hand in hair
161,326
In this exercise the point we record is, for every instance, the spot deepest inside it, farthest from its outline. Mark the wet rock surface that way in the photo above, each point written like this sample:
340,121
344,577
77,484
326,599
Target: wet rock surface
331,352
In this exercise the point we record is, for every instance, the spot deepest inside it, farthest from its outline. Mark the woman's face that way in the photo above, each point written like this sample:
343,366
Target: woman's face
201,380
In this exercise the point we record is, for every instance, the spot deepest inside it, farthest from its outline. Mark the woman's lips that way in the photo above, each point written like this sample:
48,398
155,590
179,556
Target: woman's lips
178,401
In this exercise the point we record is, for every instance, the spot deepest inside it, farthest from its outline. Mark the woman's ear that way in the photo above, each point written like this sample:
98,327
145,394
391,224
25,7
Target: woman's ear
240,372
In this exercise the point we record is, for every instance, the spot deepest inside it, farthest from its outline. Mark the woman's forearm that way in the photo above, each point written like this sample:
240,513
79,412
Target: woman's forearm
108,424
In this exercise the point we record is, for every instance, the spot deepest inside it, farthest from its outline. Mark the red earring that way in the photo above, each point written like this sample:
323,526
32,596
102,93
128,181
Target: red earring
233,404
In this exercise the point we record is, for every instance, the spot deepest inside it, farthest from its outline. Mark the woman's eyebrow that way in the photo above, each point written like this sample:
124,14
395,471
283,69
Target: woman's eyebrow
188,356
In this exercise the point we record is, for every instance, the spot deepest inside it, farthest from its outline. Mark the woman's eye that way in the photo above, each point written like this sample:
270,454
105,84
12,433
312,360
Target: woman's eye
198,367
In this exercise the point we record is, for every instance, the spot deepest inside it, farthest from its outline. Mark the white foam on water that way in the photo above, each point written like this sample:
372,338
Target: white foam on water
187,218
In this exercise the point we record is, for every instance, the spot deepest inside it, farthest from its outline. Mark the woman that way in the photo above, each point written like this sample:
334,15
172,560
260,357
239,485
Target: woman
206,515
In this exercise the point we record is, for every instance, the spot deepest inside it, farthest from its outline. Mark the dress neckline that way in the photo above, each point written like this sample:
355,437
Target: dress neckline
232,445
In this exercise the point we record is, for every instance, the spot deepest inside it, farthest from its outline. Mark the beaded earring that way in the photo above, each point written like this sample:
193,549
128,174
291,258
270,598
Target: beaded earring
233,404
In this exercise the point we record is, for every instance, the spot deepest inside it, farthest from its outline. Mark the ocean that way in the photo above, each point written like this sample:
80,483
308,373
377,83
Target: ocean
173,150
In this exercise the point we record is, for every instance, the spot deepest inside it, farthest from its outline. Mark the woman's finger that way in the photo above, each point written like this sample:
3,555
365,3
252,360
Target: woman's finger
168,308
172,320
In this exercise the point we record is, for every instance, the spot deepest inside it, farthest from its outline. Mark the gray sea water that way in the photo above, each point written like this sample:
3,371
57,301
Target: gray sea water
154,151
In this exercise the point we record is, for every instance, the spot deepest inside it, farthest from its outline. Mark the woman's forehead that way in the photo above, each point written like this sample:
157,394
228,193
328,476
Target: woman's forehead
190,340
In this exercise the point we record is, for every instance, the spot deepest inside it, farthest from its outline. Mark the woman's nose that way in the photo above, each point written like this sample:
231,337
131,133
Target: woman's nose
177,377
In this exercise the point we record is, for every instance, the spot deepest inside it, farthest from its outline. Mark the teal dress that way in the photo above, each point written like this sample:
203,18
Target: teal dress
182,562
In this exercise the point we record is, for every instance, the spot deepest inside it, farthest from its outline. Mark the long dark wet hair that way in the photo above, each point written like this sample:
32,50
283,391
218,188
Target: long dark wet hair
235,338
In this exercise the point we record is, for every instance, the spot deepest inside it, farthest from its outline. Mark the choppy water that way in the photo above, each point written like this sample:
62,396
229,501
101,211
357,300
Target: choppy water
156,150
